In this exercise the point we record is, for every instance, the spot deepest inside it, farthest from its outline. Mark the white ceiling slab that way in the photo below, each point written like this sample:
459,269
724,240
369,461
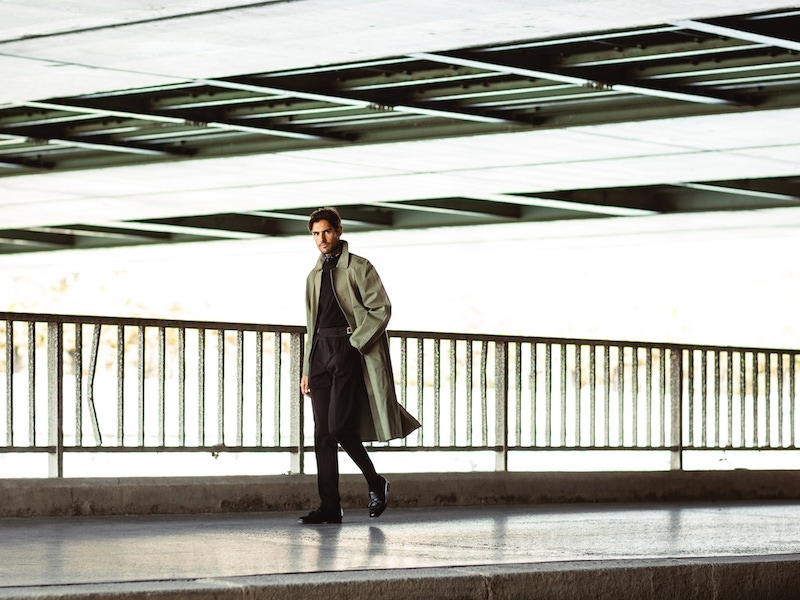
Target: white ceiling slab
29,79
50,49
716,132
46,17
538,161
149,43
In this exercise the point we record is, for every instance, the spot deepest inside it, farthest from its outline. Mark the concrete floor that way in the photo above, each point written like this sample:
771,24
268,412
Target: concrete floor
38,553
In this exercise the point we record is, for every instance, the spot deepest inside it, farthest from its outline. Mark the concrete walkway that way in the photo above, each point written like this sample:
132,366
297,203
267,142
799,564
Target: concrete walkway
687,550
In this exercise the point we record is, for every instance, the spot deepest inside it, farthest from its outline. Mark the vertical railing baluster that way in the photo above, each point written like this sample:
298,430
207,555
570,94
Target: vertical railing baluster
648,382
592,395
548,395
534,381
453,392
704,399
32,383
518,393
141,374
717,416
607,398
691,400
9,383
743,397
77,369
635,394
484,394
220,387
768,397
420,385
162,386
729,393
780,358
182,386
792,400
239,387
121,385
437,391
277,352
469,391
662,387
562,348
578,406
201,387
404,377
621,395
259,384
756,428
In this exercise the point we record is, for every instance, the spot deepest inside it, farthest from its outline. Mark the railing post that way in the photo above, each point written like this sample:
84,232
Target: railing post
297,402
55,399
676,409
501,405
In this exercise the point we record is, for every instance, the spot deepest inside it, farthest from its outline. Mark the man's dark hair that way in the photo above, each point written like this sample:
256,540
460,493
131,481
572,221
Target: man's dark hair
329,214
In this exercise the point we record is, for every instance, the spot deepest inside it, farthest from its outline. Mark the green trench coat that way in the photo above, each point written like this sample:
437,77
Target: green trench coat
367,308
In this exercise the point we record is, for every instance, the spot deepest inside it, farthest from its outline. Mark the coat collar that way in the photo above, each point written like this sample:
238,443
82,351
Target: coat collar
344,259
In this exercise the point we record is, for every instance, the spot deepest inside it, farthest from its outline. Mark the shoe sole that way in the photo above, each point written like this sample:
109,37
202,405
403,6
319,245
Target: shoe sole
333,521
302,522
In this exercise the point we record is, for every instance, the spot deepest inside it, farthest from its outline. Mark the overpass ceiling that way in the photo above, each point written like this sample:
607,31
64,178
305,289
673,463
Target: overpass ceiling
689,115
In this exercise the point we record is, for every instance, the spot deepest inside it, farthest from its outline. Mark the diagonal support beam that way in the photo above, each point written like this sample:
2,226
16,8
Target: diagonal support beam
358,102
614,211
158,117
724,189
105,145
34,237
412,207
739,34
571,79
151,227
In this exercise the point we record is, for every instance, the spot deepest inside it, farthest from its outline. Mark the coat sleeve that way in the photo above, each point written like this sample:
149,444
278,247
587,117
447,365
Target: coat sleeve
311,316
372,309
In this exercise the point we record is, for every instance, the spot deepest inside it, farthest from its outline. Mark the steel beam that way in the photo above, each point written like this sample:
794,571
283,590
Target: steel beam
739,34
565,77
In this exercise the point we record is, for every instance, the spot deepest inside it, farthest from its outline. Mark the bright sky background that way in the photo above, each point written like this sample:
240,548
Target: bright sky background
716,278
725,278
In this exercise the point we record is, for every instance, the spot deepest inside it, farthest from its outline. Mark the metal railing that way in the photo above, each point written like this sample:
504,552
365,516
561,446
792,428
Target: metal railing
78,384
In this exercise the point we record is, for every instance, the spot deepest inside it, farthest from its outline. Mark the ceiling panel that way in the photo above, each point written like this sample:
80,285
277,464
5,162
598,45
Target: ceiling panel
206,128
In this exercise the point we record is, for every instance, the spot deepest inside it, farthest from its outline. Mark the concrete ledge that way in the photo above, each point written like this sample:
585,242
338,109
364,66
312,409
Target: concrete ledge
741,578
62,497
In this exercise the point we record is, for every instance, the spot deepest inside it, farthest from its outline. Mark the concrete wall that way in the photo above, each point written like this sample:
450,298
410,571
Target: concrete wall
58,497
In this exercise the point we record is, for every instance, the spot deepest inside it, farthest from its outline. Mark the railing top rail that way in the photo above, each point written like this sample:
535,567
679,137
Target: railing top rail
147,322
583,341
299,329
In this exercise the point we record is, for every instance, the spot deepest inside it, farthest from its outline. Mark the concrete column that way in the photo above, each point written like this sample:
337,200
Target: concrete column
55,399
501,405
676,409
297,403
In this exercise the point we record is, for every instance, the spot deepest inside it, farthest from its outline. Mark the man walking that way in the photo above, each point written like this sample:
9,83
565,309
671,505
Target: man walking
347,369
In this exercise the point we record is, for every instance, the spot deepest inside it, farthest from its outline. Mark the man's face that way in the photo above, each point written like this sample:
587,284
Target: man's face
325,236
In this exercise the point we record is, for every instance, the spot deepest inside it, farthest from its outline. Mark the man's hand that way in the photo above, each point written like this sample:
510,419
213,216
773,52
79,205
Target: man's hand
304,385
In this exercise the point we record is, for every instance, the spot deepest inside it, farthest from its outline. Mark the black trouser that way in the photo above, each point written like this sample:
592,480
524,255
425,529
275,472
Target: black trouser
338,394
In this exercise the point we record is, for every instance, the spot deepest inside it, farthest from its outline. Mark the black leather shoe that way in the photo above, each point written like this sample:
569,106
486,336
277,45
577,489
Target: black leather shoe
320,516
378,500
